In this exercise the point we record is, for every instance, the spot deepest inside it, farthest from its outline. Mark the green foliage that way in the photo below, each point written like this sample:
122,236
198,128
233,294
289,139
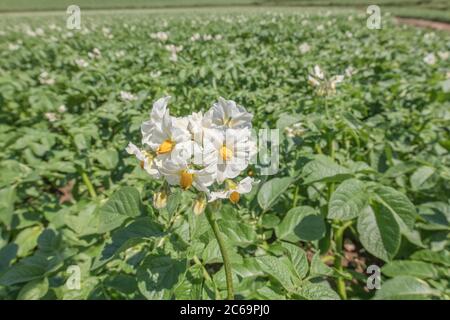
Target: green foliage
365,181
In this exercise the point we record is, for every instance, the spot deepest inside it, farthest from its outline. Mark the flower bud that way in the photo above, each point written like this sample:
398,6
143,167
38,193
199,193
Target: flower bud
199,204
160,198
234,197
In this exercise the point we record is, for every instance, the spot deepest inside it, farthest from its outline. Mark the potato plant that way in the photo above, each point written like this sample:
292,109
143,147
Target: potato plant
357,209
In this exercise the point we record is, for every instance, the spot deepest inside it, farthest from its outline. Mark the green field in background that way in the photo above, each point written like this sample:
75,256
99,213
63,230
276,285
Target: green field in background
428,9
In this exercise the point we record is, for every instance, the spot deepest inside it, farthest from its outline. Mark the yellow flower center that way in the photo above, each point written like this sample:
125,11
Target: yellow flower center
186,179
234,197
225,153
165,147
228,122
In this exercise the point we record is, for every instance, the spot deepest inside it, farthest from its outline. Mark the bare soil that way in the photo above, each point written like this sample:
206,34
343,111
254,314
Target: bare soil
425,23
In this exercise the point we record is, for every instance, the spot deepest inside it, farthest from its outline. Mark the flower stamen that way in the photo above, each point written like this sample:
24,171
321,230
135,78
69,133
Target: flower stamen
186,179
165,147
234,197
225,153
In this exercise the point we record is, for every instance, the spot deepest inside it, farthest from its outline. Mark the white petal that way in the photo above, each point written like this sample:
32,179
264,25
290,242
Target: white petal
213,196
318,72
159,109
132,149
245,186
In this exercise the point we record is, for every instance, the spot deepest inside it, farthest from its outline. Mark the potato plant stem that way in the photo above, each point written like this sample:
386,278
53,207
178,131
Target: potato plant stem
207,276
223,251
338,241
88,184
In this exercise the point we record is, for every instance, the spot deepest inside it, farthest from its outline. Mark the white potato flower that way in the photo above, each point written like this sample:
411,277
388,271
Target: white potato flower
200,127
444,55
227,114
146,158
173,49
155,74
304,48
51,116
81,63
161,36
233,190
430,59
196,37
325,86
62,108
167,136
295,130
127,96
200,150
156,116
180,173
95,54
13,46
235,148
349,71
44,78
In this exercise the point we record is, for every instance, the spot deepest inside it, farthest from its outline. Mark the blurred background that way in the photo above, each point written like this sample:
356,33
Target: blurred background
438,10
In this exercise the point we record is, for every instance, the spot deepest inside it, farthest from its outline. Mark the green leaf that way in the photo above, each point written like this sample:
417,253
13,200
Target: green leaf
301,223
191,286
421,178
298,258
85,220
123,204
349,199
441,257
267,293
324,169
316,291
379,232
271,190
108,158
319,268
248,268
138,231
158,276
49,241
398,204
30,268
287,119
404,288
27,240
279,269
34,290
7,199
212,254
417,269
7,254
239,233
12,171
173,202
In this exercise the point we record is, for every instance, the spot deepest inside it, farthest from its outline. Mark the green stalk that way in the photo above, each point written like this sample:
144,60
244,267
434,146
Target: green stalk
338,241
207,276
88,184
294,201
223,251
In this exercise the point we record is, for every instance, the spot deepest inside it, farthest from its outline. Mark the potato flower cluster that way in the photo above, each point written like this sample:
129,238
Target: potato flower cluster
205,151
